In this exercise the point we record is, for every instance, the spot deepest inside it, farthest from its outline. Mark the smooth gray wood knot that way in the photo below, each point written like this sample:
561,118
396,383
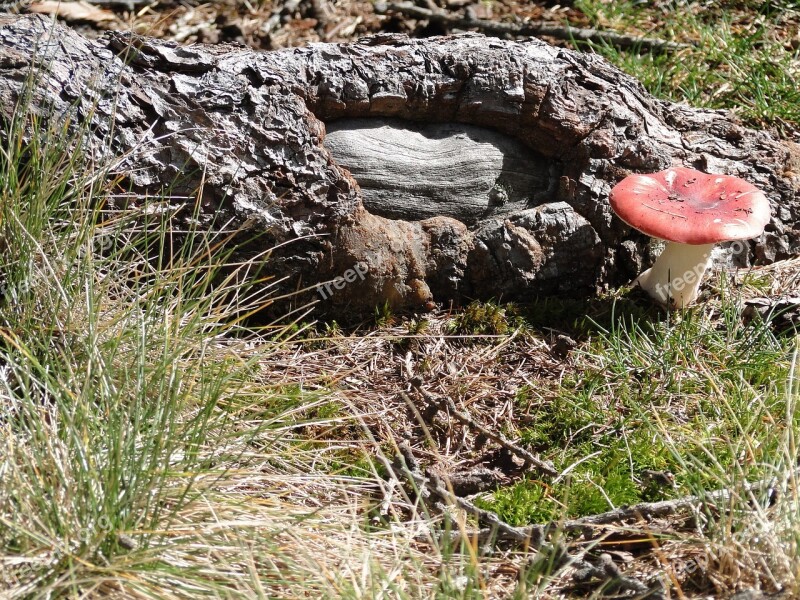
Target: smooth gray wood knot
414,171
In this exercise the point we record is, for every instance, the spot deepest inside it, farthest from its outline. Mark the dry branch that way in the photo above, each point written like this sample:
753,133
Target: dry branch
643,511
650,510
447,405
601,572
587,571
540,28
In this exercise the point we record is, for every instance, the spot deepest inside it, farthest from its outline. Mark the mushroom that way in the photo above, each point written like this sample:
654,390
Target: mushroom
691,211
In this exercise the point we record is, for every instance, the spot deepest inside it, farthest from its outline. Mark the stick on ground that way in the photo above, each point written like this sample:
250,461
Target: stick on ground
553,30
602,573
446,403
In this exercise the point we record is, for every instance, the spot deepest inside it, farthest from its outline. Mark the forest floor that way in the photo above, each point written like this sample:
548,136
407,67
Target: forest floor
462,453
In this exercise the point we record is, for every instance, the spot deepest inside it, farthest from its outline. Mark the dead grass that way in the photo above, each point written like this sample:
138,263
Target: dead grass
506,382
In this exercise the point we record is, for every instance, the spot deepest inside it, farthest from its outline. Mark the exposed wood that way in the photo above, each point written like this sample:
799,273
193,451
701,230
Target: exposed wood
249,128
419,171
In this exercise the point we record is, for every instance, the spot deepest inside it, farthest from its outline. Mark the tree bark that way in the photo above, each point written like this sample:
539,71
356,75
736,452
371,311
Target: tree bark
518,144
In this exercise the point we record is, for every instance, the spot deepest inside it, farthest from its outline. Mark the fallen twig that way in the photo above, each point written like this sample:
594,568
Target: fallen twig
446,403
430,483
554,30
649,510
587,570
601,571
535,534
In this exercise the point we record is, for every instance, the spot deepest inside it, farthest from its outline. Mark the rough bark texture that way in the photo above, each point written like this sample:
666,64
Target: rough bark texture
249,127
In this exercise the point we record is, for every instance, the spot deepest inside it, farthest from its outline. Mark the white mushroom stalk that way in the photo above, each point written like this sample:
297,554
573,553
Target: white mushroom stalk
674,279
692,211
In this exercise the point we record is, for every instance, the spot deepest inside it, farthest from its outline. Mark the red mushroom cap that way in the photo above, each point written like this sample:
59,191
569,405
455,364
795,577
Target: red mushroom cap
690,207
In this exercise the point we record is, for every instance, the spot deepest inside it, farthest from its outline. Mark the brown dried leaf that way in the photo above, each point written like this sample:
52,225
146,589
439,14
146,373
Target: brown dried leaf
73,11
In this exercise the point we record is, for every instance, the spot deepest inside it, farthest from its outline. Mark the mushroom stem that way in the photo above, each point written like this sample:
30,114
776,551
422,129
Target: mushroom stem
674,278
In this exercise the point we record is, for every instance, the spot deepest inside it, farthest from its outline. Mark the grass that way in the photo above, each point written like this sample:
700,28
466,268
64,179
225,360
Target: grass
648,407
134,426
147,449
742,55
636,406
153,445
115,380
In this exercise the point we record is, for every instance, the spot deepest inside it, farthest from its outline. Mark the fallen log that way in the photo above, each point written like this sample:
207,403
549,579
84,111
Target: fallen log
456,167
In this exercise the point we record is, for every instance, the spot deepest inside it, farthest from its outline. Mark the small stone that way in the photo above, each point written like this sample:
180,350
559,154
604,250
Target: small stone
564,345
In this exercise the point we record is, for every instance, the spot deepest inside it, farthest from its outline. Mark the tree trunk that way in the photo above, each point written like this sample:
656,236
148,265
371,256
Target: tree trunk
454,168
